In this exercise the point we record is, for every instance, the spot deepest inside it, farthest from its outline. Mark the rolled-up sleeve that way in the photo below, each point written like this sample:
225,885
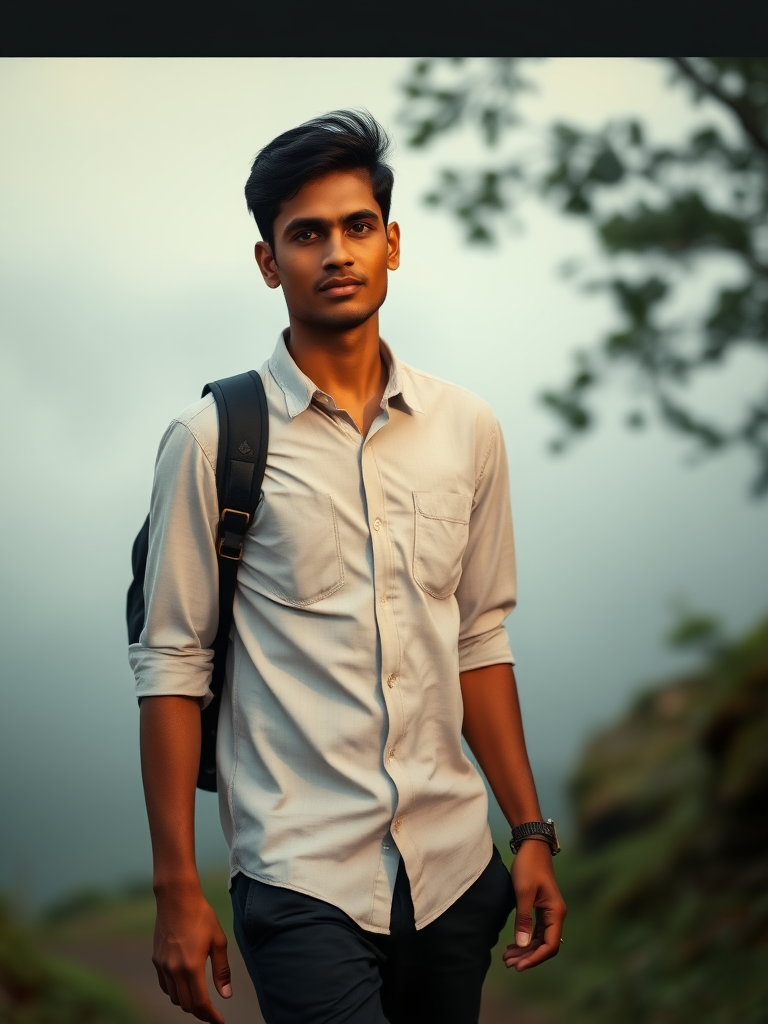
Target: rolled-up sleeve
487,591
174,655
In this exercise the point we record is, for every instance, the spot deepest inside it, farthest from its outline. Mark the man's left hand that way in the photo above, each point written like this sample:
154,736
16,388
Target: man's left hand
537,894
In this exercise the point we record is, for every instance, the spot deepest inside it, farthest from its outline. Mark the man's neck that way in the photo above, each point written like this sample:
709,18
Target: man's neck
346,365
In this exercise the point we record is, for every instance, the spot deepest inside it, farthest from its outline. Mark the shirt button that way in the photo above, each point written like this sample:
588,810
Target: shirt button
397,824
383,600
391,680
377,524
392,754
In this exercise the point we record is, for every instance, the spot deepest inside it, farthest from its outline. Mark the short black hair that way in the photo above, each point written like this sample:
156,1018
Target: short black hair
340,140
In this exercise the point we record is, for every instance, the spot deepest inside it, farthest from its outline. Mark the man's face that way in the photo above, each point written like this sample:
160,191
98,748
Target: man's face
332,252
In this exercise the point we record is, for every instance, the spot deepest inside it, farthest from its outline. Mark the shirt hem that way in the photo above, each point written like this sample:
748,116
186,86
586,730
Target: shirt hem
423,922
366,926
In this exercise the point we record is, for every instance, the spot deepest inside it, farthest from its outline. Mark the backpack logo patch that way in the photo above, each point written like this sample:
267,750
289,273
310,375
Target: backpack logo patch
245,448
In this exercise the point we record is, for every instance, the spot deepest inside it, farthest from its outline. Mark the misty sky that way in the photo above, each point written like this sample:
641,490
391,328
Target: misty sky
128,282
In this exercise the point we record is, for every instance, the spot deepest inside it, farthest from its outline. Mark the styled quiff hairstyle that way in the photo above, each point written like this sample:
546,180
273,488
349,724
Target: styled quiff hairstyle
339,141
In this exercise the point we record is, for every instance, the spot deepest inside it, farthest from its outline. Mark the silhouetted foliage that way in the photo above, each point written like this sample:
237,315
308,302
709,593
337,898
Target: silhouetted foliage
660,213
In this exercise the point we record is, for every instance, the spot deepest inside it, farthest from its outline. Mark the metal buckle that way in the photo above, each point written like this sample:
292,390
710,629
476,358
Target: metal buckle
223,531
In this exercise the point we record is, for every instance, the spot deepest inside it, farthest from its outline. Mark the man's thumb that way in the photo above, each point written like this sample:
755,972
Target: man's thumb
523,925
220,969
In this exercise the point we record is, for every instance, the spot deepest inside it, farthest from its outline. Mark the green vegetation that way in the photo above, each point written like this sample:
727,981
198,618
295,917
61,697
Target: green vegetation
667,881
36,988
662,216
96,915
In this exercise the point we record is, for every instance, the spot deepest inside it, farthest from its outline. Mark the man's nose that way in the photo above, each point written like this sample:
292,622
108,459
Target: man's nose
337,252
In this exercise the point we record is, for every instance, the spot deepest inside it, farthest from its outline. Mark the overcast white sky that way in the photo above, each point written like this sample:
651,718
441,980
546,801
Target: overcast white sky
128,282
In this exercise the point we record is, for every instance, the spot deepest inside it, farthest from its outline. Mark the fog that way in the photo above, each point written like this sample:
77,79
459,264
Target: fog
128,282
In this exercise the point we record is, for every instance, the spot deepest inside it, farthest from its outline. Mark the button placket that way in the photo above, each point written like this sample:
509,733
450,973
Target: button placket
388,635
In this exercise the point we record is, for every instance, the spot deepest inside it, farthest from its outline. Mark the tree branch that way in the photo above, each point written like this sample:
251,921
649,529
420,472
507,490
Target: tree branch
748,123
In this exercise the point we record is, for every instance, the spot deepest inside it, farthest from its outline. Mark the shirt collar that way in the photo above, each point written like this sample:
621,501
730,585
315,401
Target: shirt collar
299,390
400,381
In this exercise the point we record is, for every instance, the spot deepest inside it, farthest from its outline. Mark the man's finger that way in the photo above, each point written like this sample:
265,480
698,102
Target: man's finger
513,955
160,977
168,984
524,919
222,978
533,957
198,1000
546,942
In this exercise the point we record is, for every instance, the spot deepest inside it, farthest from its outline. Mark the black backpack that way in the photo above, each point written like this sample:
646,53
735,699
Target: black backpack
241,459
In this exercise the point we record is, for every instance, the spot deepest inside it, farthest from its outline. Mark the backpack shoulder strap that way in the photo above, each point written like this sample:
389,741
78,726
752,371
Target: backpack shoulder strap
240,464
241,457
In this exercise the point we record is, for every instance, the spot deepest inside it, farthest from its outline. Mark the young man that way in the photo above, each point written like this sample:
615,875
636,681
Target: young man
368,635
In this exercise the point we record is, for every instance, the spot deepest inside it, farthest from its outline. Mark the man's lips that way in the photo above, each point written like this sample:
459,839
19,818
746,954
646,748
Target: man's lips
341,286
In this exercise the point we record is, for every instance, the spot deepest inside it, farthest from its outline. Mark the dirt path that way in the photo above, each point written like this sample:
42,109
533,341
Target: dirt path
127,962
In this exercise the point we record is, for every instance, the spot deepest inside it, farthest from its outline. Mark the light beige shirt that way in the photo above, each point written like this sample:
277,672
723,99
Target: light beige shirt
376,569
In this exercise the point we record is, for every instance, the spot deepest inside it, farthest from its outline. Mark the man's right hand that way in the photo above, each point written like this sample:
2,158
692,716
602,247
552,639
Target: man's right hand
187,932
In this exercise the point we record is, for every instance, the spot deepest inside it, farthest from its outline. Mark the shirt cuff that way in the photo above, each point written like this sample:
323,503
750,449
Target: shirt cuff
491,648
172,673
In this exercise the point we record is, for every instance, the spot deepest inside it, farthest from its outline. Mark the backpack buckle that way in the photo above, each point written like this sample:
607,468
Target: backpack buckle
232,534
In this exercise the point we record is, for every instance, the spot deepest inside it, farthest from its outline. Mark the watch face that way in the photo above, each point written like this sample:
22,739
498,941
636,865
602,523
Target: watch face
556,847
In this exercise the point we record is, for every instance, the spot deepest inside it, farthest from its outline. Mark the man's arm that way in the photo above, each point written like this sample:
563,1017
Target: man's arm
493,728
172,664
187,930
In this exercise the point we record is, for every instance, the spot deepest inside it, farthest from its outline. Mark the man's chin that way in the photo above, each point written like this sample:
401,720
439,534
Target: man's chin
342,317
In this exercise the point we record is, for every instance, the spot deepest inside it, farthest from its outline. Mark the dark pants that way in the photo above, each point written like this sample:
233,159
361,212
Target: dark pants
311,964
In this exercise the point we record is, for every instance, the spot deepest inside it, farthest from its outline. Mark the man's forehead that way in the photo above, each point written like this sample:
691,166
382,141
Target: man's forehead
330,195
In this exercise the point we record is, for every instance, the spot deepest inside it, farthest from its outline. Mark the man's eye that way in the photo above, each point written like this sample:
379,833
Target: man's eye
360,229
304,236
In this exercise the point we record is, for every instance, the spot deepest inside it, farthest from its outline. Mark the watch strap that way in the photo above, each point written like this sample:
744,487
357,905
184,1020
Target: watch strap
545,829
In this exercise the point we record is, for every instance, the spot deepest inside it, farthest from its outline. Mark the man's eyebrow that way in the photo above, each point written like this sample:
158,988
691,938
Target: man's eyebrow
316,223
361,215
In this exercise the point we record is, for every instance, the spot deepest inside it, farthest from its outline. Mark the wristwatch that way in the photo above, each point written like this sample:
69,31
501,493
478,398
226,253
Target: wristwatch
545,829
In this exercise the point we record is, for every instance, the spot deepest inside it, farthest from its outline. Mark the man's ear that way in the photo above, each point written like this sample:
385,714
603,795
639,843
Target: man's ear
393,245
267,264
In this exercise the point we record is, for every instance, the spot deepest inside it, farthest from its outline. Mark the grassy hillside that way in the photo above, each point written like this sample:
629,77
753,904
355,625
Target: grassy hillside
130,911
667,882
36,988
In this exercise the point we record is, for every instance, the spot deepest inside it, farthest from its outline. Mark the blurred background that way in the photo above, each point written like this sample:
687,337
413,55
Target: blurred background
584,246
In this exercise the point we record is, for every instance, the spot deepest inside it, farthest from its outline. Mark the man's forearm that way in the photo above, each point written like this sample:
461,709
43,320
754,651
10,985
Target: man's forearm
170,754
493,728
187,931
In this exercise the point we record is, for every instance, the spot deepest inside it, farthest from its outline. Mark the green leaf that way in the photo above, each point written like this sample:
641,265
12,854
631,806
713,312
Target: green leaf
606,169
684,224
575,415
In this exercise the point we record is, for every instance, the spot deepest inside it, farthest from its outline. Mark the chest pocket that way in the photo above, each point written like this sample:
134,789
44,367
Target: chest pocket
298,556
441,531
